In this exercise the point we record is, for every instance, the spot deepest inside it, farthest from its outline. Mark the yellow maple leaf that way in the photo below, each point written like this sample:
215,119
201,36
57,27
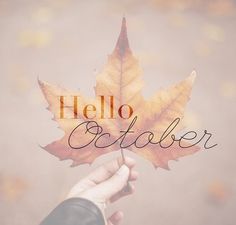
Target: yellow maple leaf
119,89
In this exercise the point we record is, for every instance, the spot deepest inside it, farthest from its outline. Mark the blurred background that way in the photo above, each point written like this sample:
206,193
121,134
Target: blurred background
66,42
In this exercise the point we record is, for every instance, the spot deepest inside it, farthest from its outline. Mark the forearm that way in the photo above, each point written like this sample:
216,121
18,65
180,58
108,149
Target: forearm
75,211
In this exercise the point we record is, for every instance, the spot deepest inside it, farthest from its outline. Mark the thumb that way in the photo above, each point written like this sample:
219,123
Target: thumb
113,185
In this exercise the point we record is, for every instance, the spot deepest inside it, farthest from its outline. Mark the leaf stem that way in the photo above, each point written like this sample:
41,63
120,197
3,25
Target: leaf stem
127,188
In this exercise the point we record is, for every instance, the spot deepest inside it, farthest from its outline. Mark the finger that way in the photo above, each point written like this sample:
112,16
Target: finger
105,171
101,174
133,175
104,191
116,218
122,193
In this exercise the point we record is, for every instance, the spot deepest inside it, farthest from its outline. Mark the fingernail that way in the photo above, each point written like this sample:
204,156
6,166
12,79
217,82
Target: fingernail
123,170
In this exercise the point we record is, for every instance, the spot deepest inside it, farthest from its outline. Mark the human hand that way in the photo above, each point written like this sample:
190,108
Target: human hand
107,184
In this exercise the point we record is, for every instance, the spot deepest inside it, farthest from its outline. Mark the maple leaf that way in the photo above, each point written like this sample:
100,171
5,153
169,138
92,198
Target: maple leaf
121,78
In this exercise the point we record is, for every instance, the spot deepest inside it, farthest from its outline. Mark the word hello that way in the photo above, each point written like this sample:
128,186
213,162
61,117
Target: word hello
103,110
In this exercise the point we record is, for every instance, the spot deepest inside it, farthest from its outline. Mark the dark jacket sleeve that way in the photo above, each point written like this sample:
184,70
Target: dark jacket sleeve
75,211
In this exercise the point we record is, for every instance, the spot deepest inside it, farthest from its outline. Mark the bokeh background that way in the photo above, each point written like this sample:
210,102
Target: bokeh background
66,42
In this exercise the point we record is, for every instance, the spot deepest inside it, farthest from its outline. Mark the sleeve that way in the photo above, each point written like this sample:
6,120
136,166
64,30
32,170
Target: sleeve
75,211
